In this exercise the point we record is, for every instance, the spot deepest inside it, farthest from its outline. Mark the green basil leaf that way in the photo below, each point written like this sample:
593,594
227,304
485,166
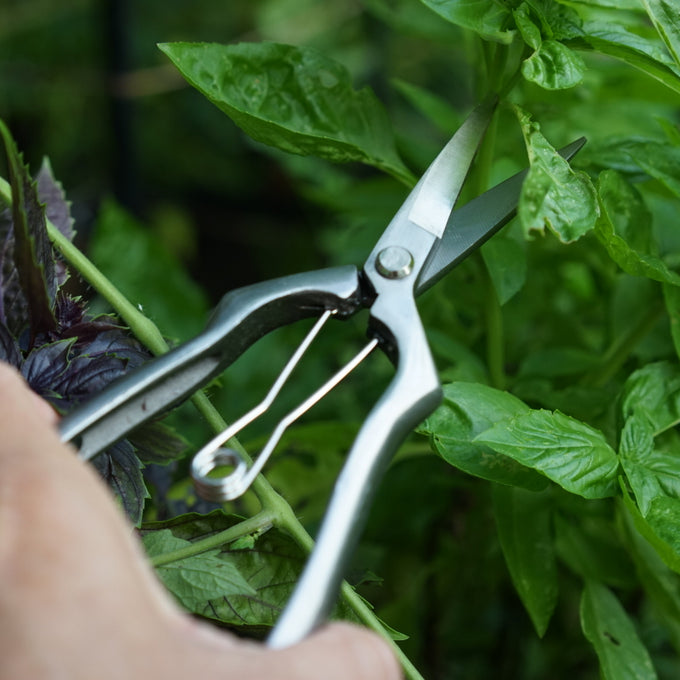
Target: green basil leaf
624,229
663,517
488,18
467,410
671,296
531,34
658,581
640,156
198,579
589,545
654,391
554,66
629,216
506,261
607,626
571,453
649,528
253,578
612,4
652,472
523,520
557,20
636,450
664,16
292,98
659,160
553,194
647,56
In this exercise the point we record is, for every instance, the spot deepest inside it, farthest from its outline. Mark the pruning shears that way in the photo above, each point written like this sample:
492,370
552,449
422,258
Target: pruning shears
425,240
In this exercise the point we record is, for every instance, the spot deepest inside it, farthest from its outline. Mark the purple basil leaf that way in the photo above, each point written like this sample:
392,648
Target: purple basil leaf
157,443
9,349
57,210
74,322
13,305
122,471
33,254
44,367
87,375
70,313
118,342
51,193
107,354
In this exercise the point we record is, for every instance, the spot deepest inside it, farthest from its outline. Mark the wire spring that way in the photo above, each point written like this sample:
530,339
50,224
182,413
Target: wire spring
215,454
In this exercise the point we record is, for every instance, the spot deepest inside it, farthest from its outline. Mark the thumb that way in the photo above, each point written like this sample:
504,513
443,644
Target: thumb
339,651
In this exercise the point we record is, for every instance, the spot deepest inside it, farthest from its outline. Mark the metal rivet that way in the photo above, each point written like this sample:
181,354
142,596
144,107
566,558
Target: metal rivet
394,262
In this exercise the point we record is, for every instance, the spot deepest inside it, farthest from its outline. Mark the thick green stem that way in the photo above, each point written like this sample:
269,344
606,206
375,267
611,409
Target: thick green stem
143,328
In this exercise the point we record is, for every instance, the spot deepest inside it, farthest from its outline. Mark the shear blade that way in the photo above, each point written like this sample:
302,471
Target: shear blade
437,191
477,221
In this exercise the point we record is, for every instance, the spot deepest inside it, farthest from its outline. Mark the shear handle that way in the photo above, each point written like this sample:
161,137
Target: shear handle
242,317
412,395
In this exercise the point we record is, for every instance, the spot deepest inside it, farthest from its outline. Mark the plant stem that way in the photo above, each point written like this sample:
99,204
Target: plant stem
143,328
365,614
256,524
495,336
493,314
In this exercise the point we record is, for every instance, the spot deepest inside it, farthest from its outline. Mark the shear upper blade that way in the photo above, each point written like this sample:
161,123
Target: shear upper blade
437,191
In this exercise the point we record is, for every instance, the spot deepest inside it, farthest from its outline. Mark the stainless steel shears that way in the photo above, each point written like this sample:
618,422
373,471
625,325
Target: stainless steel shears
425,239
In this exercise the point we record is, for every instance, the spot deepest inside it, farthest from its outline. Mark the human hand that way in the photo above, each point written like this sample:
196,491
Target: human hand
78,599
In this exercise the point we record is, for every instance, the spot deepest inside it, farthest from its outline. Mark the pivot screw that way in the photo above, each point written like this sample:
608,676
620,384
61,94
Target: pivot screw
394,262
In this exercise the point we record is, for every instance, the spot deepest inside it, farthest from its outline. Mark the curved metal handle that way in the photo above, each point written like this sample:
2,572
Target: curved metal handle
242,317
413,393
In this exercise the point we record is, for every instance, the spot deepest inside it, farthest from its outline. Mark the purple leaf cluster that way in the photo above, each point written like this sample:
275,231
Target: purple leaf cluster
65,354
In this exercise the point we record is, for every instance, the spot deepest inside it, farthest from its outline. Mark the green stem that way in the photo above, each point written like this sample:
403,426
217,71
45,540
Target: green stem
254,525
143,328
485,157
366,616
621,348
493,314
495,336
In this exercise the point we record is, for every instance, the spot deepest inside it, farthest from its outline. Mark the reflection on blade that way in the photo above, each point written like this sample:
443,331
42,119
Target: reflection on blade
437,191
470,226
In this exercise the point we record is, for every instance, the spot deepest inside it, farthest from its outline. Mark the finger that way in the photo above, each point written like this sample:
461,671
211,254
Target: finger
22,410
64,542
339,651
50,500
